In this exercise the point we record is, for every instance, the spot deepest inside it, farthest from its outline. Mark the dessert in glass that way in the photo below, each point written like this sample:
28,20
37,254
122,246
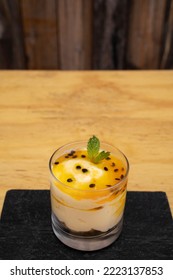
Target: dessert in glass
88,193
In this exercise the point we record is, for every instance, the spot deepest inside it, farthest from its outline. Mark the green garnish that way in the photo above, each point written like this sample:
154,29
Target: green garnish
93,148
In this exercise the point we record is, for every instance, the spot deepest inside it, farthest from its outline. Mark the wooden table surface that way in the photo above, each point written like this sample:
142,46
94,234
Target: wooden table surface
42,110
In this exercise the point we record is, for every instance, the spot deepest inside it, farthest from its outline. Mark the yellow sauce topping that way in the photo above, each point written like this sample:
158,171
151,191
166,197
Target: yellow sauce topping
75,170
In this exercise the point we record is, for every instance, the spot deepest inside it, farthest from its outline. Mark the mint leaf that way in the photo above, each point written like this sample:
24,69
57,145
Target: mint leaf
93,148
101,155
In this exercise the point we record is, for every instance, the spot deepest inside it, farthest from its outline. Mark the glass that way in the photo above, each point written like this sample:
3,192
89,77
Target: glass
88,219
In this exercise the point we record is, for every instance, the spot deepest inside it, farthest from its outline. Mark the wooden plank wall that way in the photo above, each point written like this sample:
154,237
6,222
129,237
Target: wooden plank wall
12,55
145,42
86,34
40,33
74,22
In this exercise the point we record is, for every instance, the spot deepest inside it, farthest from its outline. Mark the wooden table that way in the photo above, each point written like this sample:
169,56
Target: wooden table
42,110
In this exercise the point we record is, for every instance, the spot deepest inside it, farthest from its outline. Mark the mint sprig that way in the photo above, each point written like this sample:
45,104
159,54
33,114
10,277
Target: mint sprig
101,155
93,148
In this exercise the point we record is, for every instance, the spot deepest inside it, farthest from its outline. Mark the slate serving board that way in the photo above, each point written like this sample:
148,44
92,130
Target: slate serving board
26,233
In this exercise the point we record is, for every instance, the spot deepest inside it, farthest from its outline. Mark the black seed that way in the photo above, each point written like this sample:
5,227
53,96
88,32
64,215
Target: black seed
92,185
66,156
78,167
105,168
116,170
83,156
113,164
117,179
84,170
71,153
74,156
57,162
122,176
108,158
108,185
69,180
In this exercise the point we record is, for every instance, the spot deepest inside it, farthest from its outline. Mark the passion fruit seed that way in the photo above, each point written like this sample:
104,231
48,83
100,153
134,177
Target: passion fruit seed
71,153
108,158
92,185
105,168
69,180
56,162
83,156
117,179
84,170
78,167
116,170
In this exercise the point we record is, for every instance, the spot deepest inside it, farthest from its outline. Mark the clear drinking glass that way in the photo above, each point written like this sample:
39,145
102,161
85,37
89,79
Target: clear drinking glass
88,219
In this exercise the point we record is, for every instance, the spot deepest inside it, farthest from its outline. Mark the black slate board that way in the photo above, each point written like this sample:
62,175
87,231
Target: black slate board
26,233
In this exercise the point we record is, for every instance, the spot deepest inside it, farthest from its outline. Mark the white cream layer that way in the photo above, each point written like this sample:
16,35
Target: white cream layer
94,171
78,216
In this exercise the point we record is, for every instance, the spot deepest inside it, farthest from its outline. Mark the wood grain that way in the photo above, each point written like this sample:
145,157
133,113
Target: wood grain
145,33
12,55
40,33
110,28
86,34
42,110
167,56
74,20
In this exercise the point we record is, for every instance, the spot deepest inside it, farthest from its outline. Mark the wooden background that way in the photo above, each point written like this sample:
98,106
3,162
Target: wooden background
86,34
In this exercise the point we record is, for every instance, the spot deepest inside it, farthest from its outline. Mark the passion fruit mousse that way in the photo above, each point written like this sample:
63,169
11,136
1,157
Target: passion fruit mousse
88,189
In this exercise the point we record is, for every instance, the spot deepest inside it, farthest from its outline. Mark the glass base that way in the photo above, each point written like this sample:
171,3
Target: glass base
86,243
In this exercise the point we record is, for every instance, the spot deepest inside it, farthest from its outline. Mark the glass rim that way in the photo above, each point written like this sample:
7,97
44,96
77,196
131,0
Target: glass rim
116,185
